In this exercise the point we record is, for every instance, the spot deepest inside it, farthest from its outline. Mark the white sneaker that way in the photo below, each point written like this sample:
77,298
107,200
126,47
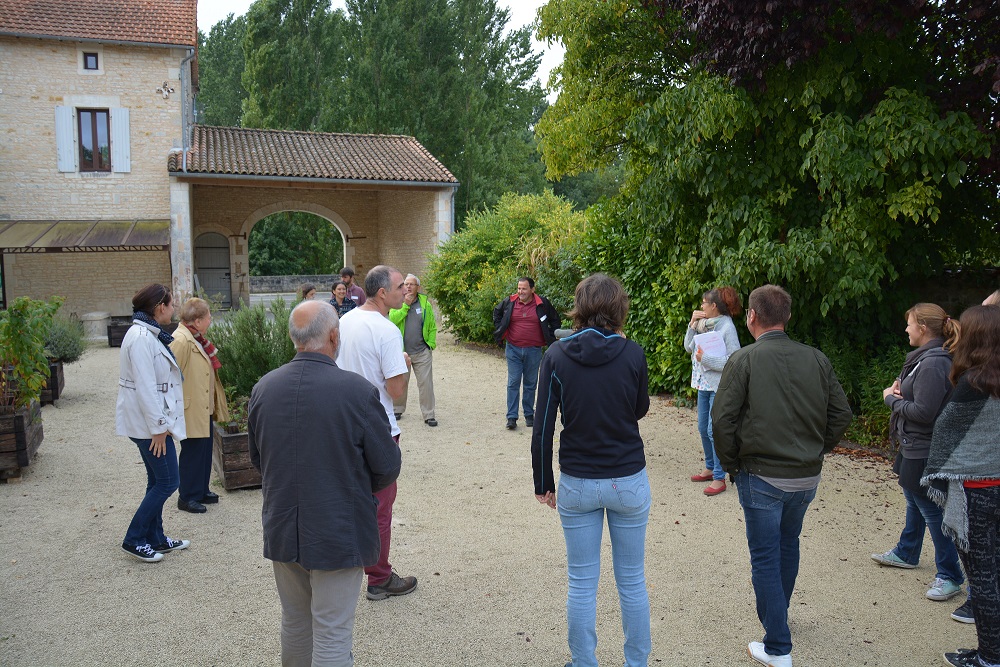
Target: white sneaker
756,651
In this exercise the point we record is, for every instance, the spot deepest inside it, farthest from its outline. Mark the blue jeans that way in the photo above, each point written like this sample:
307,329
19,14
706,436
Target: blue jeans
582,504
522,363
773,521
161,482
705,401
922,512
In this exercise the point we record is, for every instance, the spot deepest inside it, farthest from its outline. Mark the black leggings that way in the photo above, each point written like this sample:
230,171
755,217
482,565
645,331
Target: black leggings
982,566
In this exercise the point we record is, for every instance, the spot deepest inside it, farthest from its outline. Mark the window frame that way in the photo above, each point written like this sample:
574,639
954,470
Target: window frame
94,166
97,61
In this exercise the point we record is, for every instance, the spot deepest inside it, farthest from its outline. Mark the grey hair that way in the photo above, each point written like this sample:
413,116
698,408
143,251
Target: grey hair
314,335
410,275
379,277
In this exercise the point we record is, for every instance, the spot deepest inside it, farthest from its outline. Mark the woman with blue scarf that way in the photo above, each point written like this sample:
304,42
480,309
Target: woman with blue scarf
963,475
150,412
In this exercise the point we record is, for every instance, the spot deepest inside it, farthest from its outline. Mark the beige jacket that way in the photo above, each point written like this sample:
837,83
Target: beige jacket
204,397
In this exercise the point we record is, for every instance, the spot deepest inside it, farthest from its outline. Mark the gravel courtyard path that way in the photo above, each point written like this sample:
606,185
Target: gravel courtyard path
490,560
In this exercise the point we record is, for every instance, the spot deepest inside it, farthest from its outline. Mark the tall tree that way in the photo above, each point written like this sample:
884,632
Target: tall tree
807,145
295,243
294,62
220,73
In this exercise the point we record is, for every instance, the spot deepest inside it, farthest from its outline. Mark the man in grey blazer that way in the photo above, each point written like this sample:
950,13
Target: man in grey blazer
320,462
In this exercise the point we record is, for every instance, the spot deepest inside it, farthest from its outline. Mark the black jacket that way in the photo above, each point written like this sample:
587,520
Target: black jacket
320,462
598,381
547,317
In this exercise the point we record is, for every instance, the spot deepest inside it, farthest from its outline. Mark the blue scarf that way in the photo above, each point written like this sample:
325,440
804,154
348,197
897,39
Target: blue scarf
162,335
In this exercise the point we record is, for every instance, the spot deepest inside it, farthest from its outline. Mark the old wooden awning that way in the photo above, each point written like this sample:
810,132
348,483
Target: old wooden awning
32,236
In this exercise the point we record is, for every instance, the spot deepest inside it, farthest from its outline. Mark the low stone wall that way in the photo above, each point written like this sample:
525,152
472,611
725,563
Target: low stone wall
280,284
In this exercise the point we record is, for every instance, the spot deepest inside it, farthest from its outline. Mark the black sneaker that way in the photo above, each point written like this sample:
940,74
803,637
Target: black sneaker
964,613
511,424
396,585
143,552
529,421
965,657
172,545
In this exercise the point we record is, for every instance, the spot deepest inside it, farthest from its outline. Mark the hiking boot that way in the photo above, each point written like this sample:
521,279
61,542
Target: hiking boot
964,613
756,651
892,560
172,545
143,552
511,424
529,421
943,589
396,585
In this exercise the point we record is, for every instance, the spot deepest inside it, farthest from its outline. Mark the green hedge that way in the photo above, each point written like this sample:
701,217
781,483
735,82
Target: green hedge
251,344
535,235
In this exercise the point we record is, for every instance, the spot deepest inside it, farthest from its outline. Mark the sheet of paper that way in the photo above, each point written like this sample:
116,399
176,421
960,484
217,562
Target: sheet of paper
711,344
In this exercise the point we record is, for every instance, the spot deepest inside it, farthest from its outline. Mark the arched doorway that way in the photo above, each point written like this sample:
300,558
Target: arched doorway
211,267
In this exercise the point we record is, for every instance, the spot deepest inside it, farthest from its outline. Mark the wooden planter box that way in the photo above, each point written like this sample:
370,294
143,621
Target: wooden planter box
20,436
231,460
55,384
119,327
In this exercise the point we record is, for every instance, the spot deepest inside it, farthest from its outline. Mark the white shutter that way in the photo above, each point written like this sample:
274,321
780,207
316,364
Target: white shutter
121,153
65,145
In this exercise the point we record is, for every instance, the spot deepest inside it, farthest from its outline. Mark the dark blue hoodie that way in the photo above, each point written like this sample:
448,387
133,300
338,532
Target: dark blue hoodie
598,381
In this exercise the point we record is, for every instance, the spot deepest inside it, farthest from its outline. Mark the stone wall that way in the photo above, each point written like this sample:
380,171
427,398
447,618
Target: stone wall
276,284
38,75
90,281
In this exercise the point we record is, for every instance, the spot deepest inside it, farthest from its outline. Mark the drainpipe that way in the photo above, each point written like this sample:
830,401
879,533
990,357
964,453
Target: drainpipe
453,191
184,116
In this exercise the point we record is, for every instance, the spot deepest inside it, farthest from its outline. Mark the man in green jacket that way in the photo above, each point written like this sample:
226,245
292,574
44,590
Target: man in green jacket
778,410
415,320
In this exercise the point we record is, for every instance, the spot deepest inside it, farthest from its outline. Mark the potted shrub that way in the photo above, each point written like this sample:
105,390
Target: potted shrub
24,370
64,345
251,343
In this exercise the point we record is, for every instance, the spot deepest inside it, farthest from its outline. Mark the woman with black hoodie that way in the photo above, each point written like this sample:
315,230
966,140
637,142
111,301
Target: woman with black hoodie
916,399
598,380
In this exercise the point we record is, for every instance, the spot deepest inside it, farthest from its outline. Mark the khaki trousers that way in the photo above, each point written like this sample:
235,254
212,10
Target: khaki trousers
422,369
317,614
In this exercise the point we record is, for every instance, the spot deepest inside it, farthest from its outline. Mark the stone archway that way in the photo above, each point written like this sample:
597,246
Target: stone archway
240,258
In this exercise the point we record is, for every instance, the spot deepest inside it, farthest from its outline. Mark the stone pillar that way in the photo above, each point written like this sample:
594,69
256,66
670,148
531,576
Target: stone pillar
181,243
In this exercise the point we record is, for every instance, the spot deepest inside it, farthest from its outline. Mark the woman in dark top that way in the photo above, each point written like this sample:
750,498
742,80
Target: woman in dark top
340,301
916,399
597,379
963,475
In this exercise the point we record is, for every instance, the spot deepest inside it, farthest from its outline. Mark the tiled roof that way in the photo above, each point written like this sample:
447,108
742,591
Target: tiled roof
288,154
145,21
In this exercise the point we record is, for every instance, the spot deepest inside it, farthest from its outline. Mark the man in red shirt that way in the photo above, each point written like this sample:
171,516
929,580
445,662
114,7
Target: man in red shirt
527,322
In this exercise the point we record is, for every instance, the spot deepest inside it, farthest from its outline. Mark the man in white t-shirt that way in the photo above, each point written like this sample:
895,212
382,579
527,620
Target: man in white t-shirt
372,347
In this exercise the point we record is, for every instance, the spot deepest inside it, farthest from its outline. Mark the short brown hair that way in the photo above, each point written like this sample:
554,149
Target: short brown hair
193,309
600,301
149,297
772,304
977,353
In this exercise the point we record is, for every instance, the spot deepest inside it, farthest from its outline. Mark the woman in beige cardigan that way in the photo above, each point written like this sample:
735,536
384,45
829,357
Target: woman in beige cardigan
204,400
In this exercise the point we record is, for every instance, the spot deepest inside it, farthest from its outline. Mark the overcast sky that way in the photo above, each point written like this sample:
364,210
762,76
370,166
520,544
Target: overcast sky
522,12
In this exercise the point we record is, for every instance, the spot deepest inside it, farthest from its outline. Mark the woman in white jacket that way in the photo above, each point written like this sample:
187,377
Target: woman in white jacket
718,308
150,412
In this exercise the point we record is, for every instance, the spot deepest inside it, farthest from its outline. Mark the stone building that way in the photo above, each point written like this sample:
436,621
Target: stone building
107,184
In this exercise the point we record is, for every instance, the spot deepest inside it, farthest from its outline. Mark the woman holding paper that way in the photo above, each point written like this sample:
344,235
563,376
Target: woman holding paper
711,338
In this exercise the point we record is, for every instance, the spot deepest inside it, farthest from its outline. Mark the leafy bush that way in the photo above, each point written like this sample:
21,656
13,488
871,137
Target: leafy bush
65,341
536,235
24,368
251,344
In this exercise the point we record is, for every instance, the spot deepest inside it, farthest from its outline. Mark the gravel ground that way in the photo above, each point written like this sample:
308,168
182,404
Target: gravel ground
490,560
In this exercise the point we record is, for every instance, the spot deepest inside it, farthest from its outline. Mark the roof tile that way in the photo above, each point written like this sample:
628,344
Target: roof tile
145,21
292,154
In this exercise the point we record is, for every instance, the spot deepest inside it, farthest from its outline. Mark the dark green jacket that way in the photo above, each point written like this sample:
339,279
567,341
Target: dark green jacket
778,410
